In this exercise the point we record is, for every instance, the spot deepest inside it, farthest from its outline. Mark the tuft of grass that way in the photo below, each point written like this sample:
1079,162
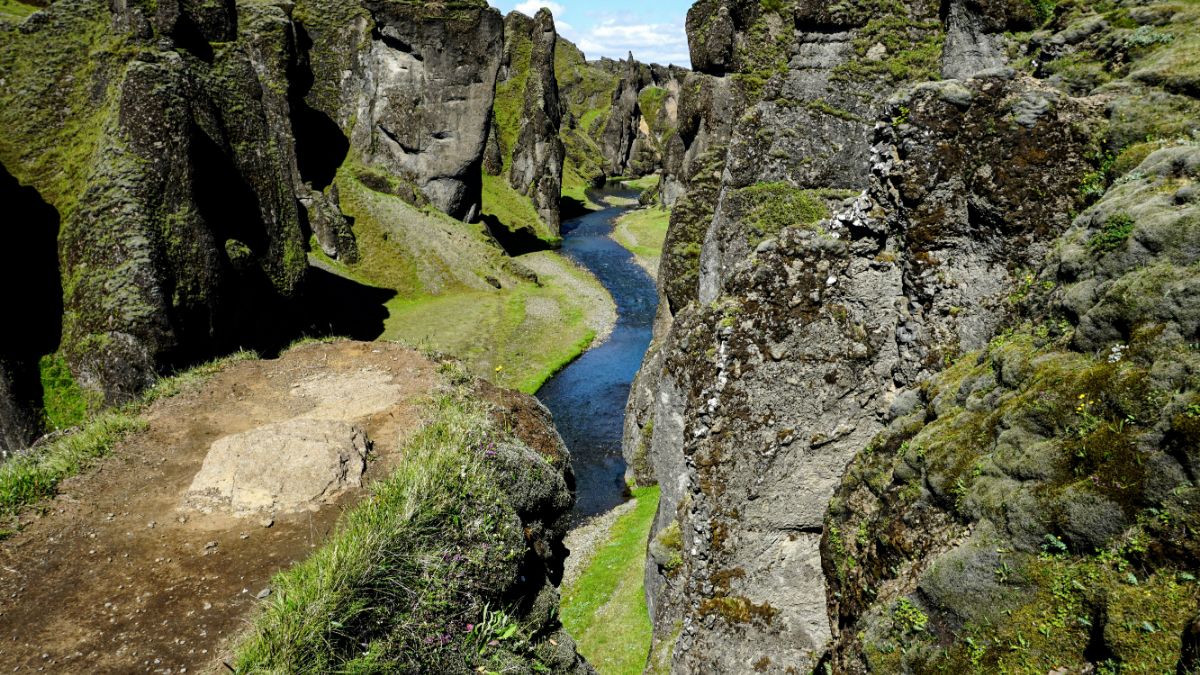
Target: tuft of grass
27,478
174,384
1114,234
406,583
605,609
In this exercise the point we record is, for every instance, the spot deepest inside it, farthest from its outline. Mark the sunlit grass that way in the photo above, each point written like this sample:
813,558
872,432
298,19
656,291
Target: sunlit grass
605,609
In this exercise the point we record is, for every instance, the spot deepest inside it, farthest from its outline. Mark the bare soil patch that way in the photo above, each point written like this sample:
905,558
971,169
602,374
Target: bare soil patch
119,574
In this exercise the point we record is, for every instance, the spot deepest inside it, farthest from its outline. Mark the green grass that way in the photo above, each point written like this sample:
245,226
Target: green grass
11,9
28,478
575,187
513,209
642,184
193,377
65,404
605,610
643,233
436,264
500,335
408,581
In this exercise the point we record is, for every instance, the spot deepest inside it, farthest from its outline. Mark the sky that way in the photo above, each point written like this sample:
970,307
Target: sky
651,29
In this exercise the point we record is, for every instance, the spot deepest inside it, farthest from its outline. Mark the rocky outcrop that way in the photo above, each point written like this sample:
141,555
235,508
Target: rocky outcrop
180,235
425,99
1030,466
811,334
619,134
188,155
537,158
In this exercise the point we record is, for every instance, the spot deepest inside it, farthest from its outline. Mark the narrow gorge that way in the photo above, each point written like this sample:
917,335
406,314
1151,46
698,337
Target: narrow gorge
404,336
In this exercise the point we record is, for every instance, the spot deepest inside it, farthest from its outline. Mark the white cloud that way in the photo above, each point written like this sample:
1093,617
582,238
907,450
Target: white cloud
650,42
531,7
616,34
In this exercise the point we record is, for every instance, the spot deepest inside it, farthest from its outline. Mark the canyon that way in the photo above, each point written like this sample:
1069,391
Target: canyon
920,392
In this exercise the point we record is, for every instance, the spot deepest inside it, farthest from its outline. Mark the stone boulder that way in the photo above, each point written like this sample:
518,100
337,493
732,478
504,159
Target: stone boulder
287,467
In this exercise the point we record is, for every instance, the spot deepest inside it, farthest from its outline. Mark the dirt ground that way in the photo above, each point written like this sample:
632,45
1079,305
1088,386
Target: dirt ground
118,575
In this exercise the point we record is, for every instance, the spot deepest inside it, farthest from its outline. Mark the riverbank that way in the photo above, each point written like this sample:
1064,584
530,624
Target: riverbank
642,233
603,593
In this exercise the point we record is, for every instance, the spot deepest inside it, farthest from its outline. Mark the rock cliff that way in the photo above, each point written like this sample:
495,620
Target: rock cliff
897,192
537,157
184,156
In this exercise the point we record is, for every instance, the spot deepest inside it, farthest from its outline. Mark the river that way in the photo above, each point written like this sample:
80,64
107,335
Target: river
588,397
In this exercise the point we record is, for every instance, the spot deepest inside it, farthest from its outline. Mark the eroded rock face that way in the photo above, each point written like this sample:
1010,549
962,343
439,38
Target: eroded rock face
807,335
975,474
537,158
213,133
425,103
281,468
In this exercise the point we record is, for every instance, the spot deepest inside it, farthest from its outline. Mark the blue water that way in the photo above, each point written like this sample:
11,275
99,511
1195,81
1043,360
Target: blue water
588,397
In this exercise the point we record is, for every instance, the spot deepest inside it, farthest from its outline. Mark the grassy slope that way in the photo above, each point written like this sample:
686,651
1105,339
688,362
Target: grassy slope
438,267
605,609
518,338
643,232
513,209
407,581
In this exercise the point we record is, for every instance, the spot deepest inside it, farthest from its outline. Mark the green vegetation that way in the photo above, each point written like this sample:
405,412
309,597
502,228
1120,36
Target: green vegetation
766,208
643,232
442,270
909,616
642,184
15,10
822,106
518,337
30,477
914,49
1044,9
650,101
605,609
65,403
500,200
513,209
1114,234
412,579
586,92
510,95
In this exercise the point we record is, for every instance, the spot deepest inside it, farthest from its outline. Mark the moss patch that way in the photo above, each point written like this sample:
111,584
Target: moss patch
765,209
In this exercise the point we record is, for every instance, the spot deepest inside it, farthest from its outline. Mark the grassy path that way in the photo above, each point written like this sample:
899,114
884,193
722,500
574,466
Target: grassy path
605,608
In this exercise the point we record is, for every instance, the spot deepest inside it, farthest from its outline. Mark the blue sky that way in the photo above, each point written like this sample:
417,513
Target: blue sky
651,29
